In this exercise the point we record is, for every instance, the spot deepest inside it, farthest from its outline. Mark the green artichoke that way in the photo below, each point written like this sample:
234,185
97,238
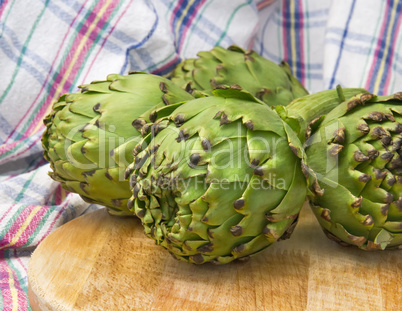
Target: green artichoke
89,136
356,153
264,79
227,183
221,177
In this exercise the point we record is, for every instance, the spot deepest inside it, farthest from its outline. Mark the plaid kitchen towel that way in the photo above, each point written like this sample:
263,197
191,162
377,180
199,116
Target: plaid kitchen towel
48,48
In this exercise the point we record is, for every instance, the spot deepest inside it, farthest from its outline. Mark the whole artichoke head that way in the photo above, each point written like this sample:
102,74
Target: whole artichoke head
89,136
356,153
271,83
218,178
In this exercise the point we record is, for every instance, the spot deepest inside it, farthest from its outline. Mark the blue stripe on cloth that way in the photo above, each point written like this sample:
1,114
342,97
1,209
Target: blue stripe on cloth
312,24
315,24
351,35
350,47
36,58
90,208
345,34
31,146
292,22
9,52
23,51
314,76
146,59
318,13
287,25
143,41
278,59
210,26
62,14
186,19
19,194
357,48
18,183
167,69
5,127
12,193
315,14
379,57
299,23
21,166
70,212
205,28
176,17
398,63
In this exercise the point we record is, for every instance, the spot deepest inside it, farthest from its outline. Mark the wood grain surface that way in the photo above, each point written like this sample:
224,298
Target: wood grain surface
99,262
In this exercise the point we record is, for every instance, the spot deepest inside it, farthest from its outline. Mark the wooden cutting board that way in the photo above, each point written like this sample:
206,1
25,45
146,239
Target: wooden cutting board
99,262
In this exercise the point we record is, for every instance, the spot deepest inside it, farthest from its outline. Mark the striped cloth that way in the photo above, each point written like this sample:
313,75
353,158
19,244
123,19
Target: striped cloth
48,48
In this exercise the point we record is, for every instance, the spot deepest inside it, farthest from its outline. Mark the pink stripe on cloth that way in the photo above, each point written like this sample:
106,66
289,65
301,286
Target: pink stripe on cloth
263,4
58,195
372,74
104,42
46,81
7,147
251,43
58,200
175,10
6,213
2,7
167,65
23,150
19,222
11,287
189,22
51,225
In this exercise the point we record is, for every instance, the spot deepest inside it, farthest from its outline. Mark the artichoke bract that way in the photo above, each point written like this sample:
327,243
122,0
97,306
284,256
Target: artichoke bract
89,136
271,83
356,153
218,178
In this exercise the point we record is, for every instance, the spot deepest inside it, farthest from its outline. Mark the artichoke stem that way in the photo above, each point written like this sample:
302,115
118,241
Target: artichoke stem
315,105
310,107
340,93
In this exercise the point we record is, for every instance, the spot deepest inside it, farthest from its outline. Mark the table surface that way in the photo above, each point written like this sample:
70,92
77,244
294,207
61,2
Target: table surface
99,262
